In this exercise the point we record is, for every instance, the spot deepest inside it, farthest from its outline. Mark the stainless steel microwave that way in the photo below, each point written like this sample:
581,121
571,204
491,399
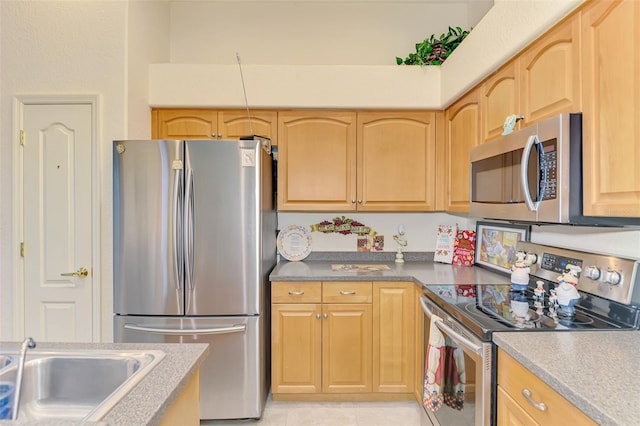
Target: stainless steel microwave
531,175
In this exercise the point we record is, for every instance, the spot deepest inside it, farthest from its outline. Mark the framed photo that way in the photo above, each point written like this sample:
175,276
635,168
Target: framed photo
496,244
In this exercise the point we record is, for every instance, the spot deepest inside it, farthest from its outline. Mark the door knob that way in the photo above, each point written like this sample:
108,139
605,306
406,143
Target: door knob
81,273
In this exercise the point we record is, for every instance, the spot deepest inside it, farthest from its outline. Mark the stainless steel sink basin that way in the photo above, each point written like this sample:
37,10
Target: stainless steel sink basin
78,385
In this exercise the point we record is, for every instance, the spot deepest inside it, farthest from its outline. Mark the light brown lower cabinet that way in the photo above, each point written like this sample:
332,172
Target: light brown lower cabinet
524,399
185,410
342,340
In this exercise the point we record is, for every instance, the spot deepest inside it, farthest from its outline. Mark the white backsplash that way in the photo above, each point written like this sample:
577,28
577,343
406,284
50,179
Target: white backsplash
421,229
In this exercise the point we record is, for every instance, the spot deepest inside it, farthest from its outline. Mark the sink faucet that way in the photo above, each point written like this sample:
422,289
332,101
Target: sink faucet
27,343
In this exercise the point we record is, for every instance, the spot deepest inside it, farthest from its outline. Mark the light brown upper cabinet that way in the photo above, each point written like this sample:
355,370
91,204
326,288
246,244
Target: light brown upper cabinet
396,154
549,72
462,121
317,160
500,99
611,113
194,123
365,161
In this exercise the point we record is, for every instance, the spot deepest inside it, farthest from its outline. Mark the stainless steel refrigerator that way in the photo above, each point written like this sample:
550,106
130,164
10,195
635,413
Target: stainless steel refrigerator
194,242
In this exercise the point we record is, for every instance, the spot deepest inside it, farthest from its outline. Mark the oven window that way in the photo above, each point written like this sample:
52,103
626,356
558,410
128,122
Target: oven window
450,365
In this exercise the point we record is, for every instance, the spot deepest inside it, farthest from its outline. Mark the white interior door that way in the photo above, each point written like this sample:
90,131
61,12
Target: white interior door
57,222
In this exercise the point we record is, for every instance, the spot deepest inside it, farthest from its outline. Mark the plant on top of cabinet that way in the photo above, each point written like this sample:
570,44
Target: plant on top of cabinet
434,51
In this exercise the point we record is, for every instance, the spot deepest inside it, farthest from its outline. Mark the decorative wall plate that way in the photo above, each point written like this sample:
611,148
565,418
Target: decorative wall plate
294,242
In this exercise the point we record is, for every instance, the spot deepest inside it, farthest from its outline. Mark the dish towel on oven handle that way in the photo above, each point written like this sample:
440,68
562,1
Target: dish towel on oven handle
434,367
454,375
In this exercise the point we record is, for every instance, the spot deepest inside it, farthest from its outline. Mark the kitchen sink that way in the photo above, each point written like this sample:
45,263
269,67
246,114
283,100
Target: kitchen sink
78,385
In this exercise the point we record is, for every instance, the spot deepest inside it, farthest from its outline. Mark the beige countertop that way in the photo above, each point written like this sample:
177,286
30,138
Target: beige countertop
421,272
148,401
597,371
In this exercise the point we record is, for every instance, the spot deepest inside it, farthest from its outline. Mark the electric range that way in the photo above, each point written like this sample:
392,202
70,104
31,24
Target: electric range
607,286
608,296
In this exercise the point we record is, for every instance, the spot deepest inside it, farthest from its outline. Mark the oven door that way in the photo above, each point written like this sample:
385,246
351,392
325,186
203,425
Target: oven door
476,409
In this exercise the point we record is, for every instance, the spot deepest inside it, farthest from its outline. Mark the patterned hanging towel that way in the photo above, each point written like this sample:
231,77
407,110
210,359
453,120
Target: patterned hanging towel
434,368
454,375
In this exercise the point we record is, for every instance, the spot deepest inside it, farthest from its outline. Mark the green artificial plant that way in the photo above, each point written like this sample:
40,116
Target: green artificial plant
434,51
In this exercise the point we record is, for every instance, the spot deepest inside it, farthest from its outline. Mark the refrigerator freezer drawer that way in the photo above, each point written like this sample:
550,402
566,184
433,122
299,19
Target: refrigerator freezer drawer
233,379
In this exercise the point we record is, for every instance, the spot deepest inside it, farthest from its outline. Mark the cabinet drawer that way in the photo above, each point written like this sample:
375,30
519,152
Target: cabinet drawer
513,377
296,292
347,292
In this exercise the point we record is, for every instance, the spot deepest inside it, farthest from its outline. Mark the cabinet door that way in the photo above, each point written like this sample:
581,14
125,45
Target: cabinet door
185,409
316,161
393,337
500,99
510,413
184,123
296,339
513,378
550,73
233,124
419,339
463,133
396,161
346,348
611,114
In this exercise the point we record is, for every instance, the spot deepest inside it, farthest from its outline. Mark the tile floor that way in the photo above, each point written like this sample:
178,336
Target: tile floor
281,413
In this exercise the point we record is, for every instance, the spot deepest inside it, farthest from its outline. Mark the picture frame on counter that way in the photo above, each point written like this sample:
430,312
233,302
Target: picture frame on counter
496,244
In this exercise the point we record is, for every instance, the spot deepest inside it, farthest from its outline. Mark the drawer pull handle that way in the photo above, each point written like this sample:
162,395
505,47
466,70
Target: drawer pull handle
347,293
539,405
296,293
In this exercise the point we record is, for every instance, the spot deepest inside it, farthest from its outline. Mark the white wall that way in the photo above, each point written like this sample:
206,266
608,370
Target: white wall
421,231
76,47
311,32
420,228
148,31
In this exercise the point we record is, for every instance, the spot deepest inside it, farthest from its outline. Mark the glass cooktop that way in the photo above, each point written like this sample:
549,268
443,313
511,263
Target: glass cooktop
488,308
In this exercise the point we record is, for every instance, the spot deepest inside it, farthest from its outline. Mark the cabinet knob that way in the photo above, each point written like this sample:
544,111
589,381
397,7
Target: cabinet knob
359,201
318,316
353,201
326,316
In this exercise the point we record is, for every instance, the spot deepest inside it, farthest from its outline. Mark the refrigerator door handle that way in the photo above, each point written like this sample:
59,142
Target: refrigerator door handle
236,328
188,229
178,254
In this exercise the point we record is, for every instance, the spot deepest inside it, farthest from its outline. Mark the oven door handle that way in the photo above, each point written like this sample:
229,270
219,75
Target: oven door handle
454,335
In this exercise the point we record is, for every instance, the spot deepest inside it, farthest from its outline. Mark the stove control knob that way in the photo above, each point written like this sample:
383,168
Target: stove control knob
613,277
532,258
592,272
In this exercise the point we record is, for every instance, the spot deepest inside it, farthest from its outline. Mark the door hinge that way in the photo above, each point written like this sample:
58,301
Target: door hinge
22,137
22,249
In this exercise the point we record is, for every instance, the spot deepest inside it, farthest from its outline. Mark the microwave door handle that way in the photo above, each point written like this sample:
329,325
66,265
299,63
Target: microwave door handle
524,168
454,335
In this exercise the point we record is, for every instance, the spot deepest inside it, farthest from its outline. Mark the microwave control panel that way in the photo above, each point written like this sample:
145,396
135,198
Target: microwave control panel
548,169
